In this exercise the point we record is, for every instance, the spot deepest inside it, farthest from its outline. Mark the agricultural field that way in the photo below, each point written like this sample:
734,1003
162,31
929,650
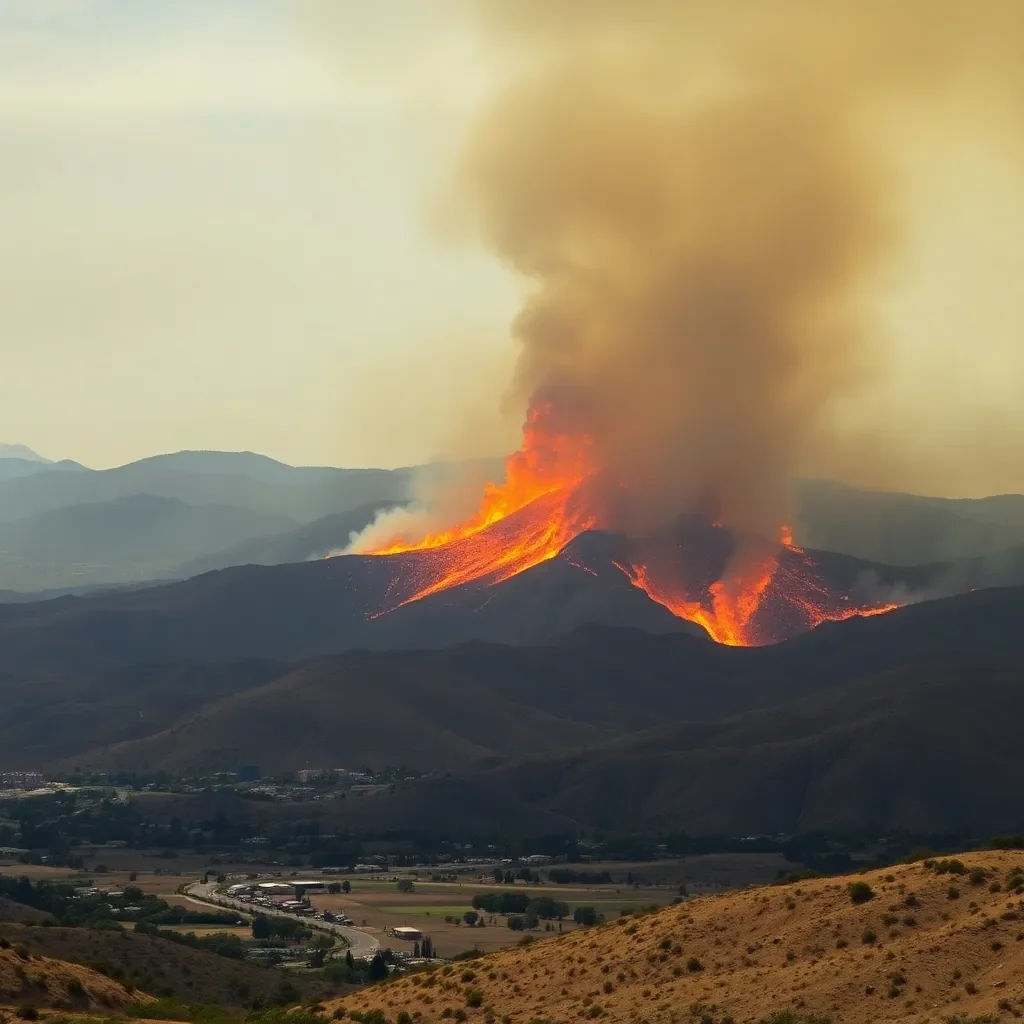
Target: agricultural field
377,905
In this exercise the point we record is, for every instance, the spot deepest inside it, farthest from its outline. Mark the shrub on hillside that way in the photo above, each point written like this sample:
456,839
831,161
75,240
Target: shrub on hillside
792,1017
860,892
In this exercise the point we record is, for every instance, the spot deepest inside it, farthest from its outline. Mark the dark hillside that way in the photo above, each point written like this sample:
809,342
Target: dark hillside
161,967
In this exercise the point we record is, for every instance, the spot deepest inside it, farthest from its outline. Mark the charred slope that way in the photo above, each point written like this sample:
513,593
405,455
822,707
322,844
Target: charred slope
456,708
290,612
44,718
294,611
927,749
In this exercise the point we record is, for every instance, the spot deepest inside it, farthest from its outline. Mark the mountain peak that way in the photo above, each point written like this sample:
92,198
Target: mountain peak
20,451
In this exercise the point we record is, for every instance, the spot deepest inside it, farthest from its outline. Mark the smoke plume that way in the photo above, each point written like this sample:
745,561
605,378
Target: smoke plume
702,197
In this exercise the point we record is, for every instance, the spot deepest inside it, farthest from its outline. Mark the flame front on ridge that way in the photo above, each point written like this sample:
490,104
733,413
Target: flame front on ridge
545,503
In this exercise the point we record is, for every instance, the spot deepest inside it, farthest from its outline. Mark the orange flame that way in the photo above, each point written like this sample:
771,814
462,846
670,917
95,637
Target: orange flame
733,604
545,464
543,505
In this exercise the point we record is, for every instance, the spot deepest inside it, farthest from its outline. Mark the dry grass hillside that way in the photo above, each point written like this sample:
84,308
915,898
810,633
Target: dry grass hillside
27,979
929,944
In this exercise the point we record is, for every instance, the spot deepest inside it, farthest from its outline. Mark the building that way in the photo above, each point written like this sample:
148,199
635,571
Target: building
307,885
407,934
275,889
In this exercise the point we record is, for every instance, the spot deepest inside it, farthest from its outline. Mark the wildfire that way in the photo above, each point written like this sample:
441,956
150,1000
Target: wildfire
726,621
544,504
526,520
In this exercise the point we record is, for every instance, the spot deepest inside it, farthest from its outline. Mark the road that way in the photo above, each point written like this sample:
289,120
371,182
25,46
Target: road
361,945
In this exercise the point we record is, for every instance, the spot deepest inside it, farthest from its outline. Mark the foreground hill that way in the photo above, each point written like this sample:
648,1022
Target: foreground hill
909,953
29,979
148,964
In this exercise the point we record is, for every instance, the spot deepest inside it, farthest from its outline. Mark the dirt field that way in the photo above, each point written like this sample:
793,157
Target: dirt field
377,905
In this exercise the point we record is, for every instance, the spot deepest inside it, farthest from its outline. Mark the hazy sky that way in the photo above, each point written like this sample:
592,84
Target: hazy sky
222,225
218,233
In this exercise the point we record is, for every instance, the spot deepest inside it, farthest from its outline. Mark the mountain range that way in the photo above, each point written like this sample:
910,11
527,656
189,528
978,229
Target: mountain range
562,699
62,525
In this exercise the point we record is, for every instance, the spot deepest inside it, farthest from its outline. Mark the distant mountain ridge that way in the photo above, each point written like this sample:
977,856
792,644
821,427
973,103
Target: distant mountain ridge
20,451
311,510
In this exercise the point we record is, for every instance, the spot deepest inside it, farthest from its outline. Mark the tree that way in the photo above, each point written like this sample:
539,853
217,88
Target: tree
530,919
405,885
510,879
378,970
260,927
489,902
334,888
515,923
526,874
513,903
427,948
471,917
346,887
317,956
585,916
349,961
498,875
549,909
416,950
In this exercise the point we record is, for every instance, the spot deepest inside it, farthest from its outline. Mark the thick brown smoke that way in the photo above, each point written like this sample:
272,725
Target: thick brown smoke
701,195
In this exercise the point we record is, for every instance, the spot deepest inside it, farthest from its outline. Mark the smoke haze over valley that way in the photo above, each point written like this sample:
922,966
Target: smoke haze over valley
480,471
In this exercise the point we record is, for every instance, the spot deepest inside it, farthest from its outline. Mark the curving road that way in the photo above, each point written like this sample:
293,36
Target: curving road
361,945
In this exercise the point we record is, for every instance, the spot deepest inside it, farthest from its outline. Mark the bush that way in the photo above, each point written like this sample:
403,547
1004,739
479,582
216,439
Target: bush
860,892
952,893
28,1013
474,997
868,937
977,876
693,965
515,923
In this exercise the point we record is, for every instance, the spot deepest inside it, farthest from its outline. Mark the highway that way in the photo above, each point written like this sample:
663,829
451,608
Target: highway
361,945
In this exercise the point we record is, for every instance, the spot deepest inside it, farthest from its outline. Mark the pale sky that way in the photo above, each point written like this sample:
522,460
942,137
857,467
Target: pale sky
222,226
220,231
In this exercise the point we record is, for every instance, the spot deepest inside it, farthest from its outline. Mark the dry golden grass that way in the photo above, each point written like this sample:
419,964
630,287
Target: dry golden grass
28,979
747,955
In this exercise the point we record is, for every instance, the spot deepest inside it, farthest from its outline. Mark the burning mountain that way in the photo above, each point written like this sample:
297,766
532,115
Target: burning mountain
699,199
552,494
